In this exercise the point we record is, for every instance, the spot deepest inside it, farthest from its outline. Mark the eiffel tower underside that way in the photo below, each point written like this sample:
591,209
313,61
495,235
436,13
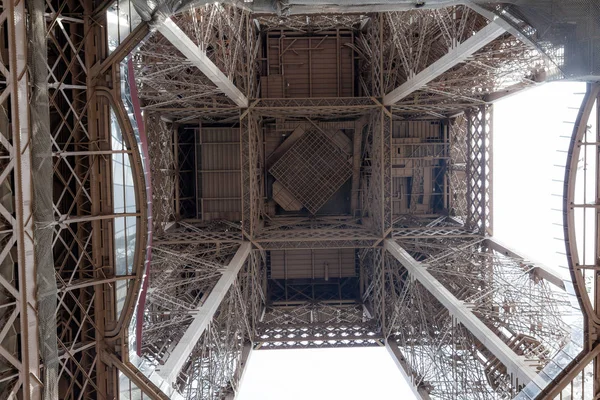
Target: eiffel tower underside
184,183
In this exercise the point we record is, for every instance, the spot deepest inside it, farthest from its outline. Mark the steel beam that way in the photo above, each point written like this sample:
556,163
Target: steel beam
297,7
184,44
18,87
502,23
205,314
454,57
392,348
540,270
147,387
516,365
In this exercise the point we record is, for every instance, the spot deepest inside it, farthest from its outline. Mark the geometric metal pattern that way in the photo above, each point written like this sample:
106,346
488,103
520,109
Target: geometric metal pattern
457,168
57,62
316,325
479,169
313,169
19,357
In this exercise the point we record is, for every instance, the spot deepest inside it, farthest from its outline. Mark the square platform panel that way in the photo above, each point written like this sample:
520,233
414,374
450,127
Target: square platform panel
313,169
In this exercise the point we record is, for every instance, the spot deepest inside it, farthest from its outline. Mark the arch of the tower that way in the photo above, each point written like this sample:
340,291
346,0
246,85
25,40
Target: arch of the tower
185,183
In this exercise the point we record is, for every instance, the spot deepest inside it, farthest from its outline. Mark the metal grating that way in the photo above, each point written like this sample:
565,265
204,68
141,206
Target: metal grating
313,169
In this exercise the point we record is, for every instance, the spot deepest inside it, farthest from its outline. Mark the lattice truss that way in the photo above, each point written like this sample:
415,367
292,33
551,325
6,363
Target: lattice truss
506,294
457,169
186,232
310,325
78,254
413,227
479,169
523,311
251,141
181,277
417,38
168,82
445,360
369,47
213,368
545,24
163,170
16,268
377,181
372,285
398,45
504,64
334,232
311,23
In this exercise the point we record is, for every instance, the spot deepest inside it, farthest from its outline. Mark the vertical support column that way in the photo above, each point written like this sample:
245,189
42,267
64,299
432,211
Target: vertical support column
251,159
488,177
246,178
357,140
479,162
375,37
386,129
380,184
374,294
471,223
23,225
99,302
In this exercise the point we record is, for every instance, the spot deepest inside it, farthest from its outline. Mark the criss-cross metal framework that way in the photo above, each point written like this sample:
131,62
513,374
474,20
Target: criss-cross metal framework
115,283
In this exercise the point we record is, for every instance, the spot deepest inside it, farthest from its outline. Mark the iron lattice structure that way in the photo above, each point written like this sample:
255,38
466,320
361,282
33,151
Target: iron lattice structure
117,278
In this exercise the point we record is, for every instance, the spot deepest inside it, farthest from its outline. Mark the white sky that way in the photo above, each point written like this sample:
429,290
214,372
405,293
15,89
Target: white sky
527,130
527,139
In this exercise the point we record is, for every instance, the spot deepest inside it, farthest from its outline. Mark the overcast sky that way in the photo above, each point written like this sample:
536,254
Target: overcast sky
527,130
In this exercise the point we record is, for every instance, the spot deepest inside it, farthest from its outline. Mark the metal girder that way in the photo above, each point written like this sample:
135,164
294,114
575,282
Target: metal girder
25,293
454,57
184,44
540,270
515,364
501,22
296,7
479,172
392,348
205,314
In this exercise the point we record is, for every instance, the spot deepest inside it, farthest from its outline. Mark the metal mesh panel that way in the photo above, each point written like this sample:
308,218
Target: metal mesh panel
313,169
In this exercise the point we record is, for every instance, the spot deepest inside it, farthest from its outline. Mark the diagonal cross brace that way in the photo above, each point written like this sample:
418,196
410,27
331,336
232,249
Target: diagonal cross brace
170,370
515,364
184,44
454,57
